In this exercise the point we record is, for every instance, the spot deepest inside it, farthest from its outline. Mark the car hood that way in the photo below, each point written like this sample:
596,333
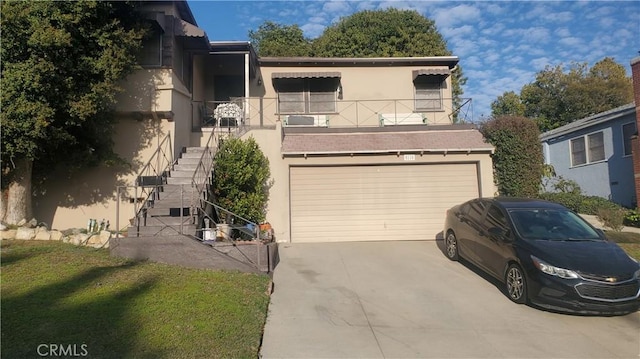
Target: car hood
593,257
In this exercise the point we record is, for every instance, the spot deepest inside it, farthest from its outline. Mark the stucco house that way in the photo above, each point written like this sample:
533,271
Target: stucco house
596,153
359,148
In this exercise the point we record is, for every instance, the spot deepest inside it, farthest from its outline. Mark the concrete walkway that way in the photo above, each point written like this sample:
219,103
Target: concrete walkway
406,300
596,223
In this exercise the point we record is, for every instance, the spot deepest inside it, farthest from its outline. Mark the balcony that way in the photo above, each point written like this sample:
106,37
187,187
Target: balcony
258,112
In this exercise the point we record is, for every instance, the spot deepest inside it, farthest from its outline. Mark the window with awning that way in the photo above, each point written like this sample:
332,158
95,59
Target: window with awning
306,92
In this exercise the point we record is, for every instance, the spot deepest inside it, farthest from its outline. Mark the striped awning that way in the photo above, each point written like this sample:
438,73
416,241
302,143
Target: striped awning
438,72
305,75
183,28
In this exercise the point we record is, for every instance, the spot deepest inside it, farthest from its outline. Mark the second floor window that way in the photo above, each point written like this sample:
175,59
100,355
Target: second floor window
150,54
307,95
428,93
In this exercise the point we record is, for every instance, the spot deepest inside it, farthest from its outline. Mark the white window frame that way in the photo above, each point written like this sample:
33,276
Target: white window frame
305,99
588,149
634,130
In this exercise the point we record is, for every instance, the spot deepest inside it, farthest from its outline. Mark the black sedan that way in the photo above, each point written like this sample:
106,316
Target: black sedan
545,255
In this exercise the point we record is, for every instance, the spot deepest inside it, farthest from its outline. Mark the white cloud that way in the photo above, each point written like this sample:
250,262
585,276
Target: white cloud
457,31
540,63
563,32
336,7
458,14
312,30
571,41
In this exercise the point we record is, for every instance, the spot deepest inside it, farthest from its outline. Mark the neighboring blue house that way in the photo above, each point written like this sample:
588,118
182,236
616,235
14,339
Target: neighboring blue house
596,153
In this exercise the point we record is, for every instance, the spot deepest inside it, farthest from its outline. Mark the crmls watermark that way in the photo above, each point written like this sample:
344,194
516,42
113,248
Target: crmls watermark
62,350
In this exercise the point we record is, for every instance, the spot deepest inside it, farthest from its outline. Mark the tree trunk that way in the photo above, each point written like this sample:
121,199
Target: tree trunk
18,196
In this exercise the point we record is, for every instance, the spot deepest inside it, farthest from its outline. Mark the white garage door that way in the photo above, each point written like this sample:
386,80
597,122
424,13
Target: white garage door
373,203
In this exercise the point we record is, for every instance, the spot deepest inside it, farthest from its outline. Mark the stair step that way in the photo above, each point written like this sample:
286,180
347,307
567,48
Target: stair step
189,160
185,167
181,174
168,211
154,221
179,180
160,231
197,155
195,149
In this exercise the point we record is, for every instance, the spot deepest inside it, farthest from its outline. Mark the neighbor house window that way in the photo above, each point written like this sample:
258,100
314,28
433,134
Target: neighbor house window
628,130
587,149
428,93
307,95
151,50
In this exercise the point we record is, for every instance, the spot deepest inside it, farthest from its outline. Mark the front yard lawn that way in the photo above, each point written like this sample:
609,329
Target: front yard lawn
82,299
629,241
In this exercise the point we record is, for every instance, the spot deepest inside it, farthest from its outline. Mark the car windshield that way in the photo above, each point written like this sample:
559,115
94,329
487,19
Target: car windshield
552,224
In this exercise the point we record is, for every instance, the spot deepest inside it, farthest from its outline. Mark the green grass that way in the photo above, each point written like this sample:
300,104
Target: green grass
629,241
59,293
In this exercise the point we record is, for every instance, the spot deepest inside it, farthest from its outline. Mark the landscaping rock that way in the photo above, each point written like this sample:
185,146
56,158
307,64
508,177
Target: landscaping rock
79,239
100,240
26,234
42,234
33,223
8,234
22,222
56,235
2,227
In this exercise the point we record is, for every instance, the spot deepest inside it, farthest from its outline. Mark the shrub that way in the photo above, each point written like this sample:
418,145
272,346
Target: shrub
517,160
612,217
579,203
632,218
241,178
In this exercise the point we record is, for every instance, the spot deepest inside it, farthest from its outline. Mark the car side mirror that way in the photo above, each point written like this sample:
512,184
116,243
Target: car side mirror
601,233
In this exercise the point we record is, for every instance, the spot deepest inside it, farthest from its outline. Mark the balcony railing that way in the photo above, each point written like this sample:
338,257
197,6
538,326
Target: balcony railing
260,112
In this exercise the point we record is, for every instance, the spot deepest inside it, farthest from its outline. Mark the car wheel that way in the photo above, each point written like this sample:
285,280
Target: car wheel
516,284
451,246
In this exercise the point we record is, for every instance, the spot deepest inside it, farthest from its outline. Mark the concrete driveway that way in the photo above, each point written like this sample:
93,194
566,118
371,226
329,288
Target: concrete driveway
406,300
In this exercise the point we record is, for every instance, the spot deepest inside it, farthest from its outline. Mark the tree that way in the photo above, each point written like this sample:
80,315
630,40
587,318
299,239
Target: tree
556,97
517,160
507,104
379,33
61,63
241,178
272,39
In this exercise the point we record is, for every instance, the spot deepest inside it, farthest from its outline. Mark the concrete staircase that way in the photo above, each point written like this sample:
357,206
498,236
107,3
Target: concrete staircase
171,212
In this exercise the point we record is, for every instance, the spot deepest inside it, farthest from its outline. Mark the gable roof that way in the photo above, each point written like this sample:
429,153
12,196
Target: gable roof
438,139
590,121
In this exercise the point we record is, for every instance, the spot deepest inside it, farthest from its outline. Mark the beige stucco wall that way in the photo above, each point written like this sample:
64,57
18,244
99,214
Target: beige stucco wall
69,202
278,208
368,92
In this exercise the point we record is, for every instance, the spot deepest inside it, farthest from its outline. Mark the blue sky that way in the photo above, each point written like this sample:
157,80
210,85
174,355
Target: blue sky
501,44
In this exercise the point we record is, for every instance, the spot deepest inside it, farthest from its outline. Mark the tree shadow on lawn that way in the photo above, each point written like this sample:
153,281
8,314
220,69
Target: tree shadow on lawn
80,314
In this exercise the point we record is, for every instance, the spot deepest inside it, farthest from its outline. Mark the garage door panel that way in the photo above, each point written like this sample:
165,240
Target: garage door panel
376,202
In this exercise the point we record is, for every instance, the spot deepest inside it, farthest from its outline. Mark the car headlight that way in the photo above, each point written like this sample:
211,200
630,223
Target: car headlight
552,270
636,275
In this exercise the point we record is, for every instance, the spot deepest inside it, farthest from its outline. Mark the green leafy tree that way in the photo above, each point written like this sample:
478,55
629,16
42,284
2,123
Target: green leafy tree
557,97
380,33
509,104
61,64
517,160
273,39
241,178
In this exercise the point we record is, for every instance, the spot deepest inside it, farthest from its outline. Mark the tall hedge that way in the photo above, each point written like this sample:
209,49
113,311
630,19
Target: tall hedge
241,178
517,161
